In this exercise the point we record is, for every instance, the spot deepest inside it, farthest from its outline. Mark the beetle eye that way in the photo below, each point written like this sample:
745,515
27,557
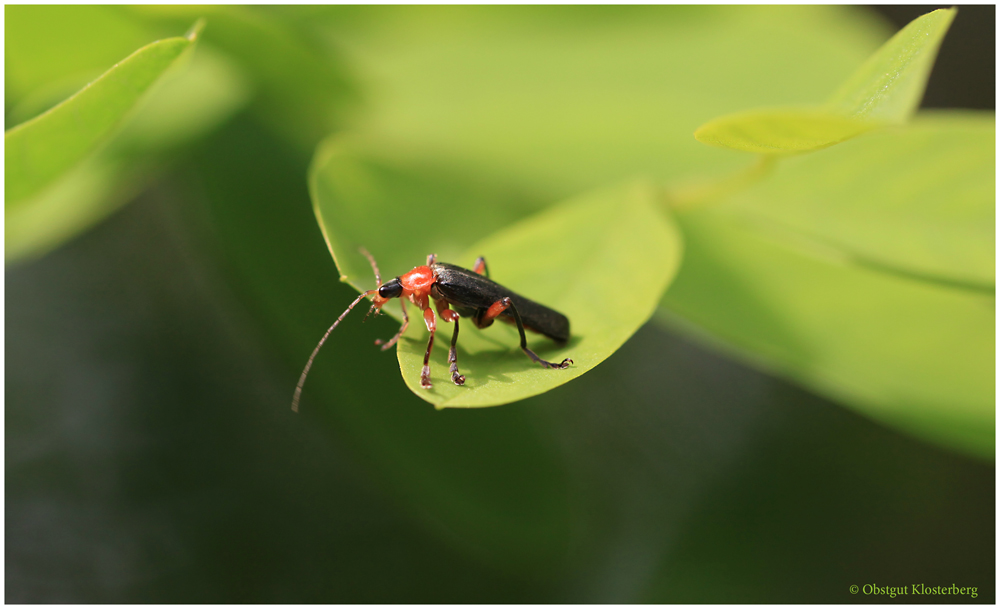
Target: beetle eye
391,289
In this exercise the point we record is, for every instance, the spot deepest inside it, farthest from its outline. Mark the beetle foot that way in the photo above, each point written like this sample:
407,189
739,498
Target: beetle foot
560,366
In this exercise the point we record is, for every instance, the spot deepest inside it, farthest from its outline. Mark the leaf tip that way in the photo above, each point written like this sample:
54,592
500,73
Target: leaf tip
943,15
708,134
195,30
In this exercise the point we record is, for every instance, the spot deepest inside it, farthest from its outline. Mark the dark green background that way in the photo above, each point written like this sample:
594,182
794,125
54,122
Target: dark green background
151,455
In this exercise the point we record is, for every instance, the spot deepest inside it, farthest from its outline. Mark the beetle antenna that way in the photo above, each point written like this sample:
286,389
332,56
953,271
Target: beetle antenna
302,379
371,259
378,281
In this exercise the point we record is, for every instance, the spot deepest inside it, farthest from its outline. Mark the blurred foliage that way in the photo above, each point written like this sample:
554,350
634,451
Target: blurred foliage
885,90
50,192
562,102
66,174
865,272
862,272
49,144
889,86
922,360
300,89
781,131
916,201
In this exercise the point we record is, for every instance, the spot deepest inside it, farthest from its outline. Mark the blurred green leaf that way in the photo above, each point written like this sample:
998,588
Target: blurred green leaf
38,151
53,51
916,356
80,198
918,200
581,258
561,100
301,88
889,86
885,90
569,258
178,108
186,104
780,131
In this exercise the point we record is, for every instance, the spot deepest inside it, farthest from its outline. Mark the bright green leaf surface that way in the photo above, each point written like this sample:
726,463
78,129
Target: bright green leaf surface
886,89
916,356
889,86
38,151
780,131
561,100
602,259
919,200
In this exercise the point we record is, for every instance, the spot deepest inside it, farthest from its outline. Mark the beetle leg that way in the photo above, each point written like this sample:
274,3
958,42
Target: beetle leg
406,323
431,259
502,305
481,268
448,315
425,374
458,379
484,317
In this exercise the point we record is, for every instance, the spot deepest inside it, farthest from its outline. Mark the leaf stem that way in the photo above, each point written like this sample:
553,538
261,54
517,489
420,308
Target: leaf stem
698,194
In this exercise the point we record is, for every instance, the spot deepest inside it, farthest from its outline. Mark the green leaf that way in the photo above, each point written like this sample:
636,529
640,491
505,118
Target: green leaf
889,86
57,49
602,259
885,90
40,150
919,200
918,357
780,131
180,107
578,258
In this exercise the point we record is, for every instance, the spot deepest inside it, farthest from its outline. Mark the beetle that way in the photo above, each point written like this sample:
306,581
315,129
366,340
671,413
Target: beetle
456,292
